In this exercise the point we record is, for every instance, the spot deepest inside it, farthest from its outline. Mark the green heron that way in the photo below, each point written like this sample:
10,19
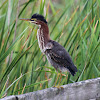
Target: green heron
55,53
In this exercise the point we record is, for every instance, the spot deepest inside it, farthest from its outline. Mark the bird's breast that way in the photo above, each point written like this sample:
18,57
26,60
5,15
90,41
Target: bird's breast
40,37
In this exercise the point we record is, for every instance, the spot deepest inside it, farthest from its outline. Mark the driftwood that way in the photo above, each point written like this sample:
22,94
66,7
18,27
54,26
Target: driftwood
84,90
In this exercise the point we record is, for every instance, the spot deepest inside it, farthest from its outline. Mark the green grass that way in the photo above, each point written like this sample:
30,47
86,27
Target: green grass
75,25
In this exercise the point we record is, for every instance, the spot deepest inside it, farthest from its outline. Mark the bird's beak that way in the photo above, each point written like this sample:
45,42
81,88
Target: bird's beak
30,20
25,19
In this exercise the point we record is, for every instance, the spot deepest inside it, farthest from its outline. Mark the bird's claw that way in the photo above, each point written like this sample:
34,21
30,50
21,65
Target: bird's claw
58,87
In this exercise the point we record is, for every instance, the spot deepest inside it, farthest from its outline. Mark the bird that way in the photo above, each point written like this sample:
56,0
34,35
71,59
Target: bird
56,54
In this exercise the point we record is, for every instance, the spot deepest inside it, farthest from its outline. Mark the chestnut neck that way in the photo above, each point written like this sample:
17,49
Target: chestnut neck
44,32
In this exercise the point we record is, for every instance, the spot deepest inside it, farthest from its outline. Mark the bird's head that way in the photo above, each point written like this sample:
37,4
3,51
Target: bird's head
36,19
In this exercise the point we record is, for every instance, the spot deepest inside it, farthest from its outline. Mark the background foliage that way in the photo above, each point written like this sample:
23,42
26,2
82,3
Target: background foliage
72,23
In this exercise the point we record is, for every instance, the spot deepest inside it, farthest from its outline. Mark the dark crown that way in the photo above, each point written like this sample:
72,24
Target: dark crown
39,17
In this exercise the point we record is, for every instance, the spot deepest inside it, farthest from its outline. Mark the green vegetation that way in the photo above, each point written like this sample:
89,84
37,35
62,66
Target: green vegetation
72,23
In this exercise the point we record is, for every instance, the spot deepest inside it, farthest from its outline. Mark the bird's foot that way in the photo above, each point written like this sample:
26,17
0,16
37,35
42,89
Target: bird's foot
58,87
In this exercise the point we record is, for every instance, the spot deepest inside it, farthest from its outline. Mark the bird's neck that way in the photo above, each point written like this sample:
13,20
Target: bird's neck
43,36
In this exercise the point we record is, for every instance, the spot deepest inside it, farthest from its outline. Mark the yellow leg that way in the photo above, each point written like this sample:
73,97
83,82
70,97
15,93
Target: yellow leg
56,79
58,86
60,78
59,74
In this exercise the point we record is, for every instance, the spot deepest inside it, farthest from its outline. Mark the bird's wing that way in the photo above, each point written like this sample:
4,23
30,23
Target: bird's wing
61,56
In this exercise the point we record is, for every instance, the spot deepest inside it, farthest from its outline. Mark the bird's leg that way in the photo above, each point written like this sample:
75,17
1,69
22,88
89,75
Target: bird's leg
58,86
60,80
57,78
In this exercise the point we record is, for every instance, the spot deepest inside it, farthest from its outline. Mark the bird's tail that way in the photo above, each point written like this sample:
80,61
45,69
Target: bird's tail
72,71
